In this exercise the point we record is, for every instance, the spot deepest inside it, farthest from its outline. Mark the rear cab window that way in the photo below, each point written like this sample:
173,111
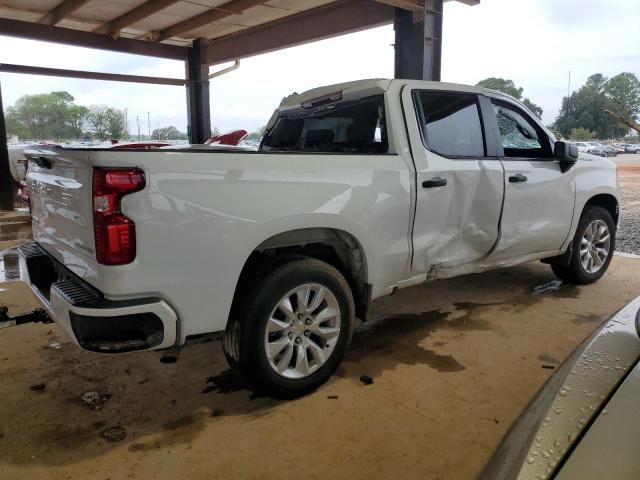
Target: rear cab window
349,127
450,123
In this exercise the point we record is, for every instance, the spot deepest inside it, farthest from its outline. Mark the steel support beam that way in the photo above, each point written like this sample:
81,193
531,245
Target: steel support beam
418,47
78,38
6,179
338,18
112,77
198,106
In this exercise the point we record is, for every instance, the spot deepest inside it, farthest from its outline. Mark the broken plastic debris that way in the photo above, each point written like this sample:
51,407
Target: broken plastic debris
366,379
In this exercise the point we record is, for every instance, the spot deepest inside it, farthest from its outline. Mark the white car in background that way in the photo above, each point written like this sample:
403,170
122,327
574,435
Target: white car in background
582,147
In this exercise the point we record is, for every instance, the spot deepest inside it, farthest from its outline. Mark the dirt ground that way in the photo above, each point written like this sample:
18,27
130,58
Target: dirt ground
453,364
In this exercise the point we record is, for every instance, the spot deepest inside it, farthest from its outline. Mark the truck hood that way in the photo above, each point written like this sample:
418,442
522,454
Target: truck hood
597,160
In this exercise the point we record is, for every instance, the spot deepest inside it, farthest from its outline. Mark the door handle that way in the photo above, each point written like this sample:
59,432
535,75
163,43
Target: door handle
517,178
434,182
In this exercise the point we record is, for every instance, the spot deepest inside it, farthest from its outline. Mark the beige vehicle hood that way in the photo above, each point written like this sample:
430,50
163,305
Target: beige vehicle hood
540,443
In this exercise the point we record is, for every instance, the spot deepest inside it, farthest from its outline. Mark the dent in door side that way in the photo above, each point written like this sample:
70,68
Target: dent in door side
456,224
464,225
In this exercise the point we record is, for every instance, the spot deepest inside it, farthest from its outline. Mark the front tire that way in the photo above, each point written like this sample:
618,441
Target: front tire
593,247
293,329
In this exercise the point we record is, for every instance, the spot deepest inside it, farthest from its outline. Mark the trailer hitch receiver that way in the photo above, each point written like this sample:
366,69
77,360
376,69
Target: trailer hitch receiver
38,315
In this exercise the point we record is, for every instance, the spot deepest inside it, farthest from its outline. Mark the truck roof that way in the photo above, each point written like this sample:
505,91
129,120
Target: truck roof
373,86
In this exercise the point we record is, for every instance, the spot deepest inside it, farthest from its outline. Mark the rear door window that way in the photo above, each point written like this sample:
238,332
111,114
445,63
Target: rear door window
356,127
450,123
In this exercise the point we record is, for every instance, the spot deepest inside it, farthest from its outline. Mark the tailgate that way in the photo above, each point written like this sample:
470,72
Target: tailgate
60,192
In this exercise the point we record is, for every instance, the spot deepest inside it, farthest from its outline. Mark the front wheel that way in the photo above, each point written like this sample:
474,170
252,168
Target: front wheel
593,247
293,330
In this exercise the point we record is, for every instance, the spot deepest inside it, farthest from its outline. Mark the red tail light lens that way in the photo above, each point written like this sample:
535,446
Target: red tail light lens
115,234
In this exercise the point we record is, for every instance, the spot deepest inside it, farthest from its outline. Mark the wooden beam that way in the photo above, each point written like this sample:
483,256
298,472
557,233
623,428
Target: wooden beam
66,7
132,16
41,12
338,18
411,5
111,77
78,38
234,7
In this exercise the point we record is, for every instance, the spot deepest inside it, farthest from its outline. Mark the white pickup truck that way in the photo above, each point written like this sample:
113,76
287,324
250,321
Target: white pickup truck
357,190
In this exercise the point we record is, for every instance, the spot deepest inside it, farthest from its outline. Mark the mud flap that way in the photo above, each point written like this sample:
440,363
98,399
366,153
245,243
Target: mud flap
562,260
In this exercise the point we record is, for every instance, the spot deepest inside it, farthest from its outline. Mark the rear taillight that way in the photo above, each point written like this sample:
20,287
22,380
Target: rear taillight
115,234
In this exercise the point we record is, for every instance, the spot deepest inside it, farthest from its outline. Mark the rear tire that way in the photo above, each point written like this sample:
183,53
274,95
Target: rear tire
292,329
593,247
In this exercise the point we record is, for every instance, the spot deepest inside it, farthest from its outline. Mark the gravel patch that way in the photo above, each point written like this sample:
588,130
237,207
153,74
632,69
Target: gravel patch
628,238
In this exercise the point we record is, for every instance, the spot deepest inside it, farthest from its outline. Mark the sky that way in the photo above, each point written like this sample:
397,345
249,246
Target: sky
533,42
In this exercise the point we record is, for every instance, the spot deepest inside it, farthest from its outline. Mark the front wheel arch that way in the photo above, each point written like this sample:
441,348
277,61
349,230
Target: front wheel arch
606,201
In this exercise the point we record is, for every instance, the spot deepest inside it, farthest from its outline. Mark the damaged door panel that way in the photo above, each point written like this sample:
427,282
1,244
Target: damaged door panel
539,195
459,188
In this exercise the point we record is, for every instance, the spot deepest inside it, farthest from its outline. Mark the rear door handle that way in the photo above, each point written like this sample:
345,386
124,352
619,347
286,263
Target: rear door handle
518,178
434,182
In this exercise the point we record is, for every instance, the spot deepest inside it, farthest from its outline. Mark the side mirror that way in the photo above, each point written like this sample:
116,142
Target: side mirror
567,153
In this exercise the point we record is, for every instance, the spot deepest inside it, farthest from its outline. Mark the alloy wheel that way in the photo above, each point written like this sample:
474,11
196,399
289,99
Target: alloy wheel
302,331
595,246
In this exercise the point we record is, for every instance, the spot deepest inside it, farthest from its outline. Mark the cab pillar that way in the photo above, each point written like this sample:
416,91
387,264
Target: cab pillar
418,42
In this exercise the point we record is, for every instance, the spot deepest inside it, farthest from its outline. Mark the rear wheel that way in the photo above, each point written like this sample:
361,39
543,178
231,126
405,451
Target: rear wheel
593,247
294,329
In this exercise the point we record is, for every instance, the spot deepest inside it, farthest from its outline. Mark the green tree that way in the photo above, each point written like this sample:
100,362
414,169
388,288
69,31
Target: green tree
586,107
56,112
582,134
509,87
31,112
76,120
168,133
45,116
14,124
116,127
97,121
623,91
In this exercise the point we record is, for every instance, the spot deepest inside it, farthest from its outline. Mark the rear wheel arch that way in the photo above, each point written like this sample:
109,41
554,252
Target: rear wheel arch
335,247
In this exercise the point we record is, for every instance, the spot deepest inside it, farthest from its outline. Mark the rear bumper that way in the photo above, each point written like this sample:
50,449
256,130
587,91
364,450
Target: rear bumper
92,321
